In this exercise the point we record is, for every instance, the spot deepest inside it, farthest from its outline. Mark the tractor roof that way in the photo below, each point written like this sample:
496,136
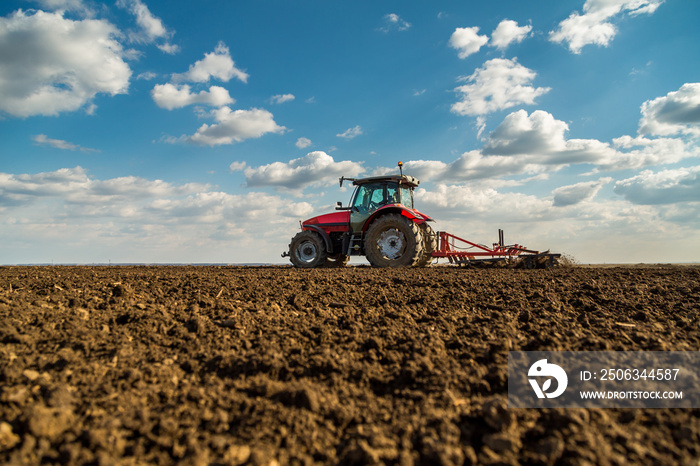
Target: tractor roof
401,179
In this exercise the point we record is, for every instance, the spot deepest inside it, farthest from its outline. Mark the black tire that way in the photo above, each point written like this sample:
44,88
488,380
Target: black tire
429,245
393,241
307,250
337,260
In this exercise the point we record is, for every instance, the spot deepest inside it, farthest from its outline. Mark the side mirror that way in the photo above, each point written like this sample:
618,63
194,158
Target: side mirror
338,205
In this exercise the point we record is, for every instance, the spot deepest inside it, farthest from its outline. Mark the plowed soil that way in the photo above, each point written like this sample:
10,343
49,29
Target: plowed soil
274,365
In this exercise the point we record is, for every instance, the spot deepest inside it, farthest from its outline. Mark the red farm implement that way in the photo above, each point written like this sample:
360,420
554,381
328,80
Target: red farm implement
464,252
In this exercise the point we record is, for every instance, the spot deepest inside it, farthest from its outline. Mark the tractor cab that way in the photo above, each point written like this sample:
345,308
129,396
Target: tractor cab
377,193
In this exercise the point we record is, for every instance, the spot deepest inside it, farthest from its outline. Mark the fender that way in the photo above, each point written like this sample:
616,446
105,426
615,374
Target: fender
412,214
324,235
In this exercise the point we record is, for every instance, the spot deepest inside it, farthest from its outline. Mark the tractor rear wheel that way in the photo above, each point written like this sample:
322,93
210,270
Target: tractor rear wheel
429,245
307,250
393,241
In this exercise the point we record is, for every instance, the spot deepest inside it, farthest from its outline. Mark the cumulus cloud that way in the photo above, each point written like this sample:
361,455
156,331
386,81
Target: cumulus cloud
351,133
508,32
171,96
467,41
463,201
216,207
663,187
393,22
579,192
42,74
65,5
235,126
75,186
138,219
151,28
594,26
536,144
520,133
675,113
499,84
237,166
315,169
217,64
281,98
303,143
43,140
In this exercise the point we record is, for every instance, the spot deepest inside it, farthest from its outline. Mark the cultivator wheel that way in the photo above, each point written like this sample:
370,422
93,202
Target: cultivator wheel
393,241
307,250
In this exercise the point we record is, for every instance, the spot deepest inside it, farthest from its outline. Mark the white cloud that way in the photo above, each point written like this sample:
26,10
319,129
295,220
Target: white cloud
393,22
536,144
676,113
65,5
499,84
43,140
467,41
237,166
303,143
236,126
641,152
508,32
43,75
281,98
594,27
315,169
351,133
147,76
138,220
217,64
579,192
171,96
170,49
462,201
663,187
73,185
520,133
151,27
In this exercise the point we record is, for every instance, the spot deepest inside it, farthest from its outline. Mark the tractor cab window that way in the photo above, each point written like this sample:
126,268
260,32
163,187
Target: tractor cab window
369,197
407,197
392,194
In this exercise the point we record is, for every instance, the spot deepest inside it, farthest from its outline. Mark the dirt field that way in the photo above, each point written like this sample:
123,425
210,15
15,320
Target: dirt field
235,365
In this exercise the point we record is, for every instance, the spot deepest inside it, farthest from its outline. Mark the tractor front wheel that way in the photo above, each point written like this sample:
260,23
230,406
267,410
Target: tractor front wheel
393,241
307,250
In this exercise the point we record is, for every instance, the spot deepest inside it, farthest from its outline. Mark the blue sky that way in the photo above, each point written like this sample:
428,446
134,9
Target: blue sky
179,131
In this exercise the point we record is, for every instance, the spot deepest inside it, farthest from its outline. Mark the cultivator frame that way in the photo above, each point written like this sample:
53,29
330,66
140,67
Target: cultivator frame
463,252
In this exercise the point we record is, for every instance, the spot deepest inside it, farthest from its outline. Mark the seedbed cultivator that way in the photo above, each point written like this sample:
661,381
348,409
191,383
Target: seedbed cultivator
381,224
465,253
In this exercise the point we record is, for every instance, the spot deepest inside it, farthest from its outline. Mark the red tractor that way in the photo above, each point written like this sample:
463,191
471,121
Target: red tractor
381,224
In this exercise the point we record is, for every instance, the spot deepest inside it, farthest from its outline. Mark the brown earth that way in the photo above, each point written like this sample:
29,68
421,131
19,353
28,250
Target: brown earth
236,365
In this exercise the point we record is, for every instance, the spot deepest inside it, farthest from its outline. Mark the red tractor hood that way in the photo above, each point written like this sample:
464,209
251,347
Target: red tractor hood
332,218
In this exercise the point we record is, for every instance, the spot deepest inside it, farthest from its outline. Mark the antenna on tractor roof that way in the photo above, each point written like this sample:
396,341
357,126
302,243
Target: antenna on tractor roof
401,167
